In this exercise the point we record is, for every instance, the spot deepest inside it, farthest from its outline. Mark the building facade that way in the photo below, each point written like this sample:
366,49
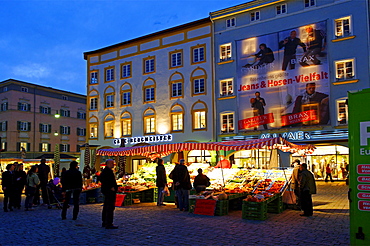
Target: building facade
29,126
155,88
284,68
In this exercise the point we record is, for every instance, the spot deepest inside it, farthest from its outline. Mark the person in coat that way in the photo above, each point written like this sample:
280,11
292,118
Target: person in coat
8,183
201,181
161,181
72,185
20,181
307,187
32,181
181,179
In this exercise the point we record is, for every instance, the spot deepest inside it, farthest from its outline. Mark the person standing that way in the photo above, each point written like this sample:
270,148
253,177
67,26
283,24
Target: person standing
201,181
223,162
258,105
8,184
290,45
72,185
181,179
32,181
20,182
161,181
109,188
307,187
43,172
328,173
295,182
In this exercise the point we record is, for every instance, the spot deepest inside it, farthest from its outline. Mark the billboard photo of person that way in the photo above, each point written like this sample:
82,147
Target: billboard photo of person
316,42
264,56
258,104
290,45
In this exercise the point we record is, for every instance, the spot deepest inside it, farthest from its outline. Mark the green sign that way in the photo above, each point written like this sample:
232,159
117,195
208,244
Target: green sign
359,143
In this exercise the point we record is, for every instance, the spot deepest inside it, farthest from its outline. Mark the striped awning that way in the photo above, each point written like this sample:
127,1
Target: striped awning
154,151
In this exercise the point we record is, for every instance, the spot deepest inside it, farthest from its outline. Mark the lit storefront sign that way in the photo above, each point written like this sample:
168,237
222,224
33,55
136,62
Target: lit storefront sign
144,139
299,135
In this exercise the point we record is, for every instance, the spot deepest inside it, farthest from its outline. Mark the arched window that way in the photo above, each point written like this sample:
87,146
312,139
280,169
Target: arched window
198,80
109,126
93,100
149,121
126,92
199,114
176,86
126,122
177,118
109,97
93,127
149,91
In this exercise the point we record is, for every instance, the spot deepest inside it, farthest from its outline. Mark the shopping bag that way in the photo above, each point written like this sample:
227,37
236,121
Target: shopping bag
166,191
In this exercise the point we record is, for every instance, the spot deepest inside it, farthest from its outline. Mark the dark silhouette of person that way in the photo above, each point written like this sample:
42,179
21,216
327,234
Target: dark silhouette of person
43,173
8,184
316,41
290,45
307,187
258,105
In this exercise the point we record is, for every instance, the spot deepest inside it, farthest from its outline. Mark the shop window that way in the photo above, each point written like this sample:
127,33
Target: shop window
94,77
309,3
126,70
109,74
231,22
343,27
342,112
176,59
227,123
344,69
281,9
149,121
198,53
149,65
225,52
126,122
255,16
177,118
226,87
109,126
199,156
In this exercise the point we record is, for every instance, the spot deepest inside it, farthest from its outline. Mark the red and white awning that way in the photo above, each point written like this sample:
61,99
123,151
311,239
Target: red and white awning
154,151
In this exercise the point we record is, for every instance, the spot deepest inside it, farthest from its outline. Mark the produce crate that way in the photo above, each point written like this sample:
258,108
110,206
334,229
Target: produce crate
254,210
171,197
276,206
222,207
254,215
149,195
191,205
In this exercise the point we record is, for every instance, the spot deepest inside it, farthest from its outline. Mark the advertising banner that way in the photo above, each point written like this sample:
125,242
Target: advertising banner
283,79
359,171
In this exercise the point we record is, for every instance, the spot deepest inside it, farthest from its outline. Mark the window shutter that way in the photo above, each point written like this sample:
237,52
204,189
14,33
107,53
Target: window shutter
40,147
49,147
40,109
49,128
28,107
61,129
60,147
19,106
28,147
49,110
28,126
69,130
62,112
78,131
68,148
6,125
5,146
40,126
78,148
18,125
68,113
5,106
18,146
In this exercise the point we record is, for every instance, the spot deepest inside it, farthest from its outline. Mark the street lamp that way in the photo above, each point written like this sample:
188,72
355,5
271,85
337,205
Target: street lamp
57,115
56,133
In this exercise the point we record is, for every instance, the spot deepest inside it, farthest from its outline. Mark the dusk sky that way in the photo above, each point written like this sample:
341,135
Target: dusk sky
43,42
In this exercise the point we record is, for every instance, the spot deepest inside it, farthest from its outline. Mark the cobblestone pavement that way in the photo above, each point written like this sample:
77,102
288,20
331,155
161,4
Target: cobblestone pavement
147,224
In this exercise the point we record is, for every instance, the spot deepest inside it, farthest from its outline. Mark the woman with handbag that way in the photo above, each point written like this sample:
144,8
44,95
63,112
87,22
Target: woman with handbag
32,181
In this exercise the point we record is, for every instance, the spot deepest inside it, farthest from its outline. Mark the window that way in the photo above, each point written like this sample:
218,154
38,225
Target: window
225,52
64,147
176,59
4,106
177,118
126,94
23,145
343,27
176,89
64,97
126,124
3,146
149,121
109,101
126,70
65,113
198,54
45,110
23,126
93,130
342,112
231,22
45,128
24,89
94,77
309,3
149,94
5,89
109,74
226,87
81,131
94,103
3,126
24,106
255,16
81,115
345,69
149,65
45,147
227,123
65,130
281,9
109,126
200,120
198,86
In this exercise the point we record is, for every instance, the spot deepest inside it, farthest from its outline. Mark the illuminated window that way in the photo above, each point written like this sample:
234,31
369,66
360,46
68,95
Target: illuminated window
198,53
227,123
309,3
45,147
23,126
225,52
176,59
149,65
94,77
342,112
126,70
344,69
94,103
149,91
149,121
177,118
255,16
45,128
281,9
226,87
22,106
126,124
109,74
93,129
231,22
109,126
199,114
23,146
343,27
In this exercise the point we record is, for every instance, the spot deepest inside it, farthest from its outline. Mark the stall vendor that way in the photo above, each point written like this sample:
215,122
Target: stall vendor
223,163
201,181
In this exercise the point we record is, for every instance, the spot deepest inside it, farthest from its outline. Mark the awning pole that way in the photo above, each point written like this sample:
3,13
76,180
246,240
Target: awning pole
222,173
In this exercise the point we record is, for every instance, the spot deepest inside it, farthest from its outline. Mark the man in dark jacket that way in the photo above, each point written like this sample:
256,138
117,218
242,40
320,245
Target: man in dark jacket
290,45
307,187
109,188
181,179
201,181
72,184
8,184
43,173
161,181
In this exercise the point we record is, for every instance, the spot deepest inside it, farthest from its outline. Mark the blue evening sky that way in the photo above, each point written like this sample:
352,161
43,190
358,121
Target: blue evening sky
43,41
